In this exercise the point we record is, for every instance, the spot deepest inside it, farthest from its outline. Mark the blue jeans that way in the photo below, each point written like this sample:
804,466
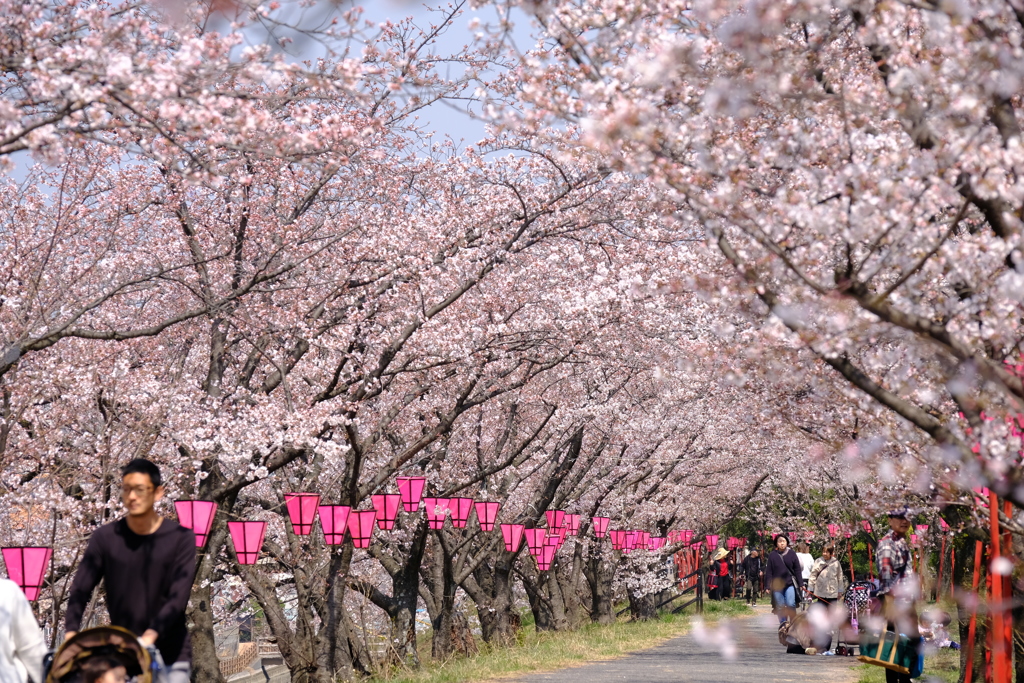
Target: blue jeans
784,598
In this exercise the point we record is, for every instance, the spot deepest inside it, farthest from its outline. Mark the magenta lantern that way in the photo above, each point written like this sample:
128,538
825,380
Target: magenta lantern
247,537
513,535
618,537
461,507
486,513
847,533
712,540
866,524
386,507
26,566
572,522
556,518
643,539
334,521
535,540
196,515
552,539
922,528
672,536
600,526
436,509
631,539
913,539
775,534
658,542
546,557
687,536
942,524
833,530
360,527
411,491
697,545
302,511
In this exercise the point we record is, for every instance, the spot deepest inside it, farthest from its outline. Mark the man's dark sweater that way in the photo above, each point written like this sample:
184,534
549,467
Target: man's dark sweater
148,580
780,569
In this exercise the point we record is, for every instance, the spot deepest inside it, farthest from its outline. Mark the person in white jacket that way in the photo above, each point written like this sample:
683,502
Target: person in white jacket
21,640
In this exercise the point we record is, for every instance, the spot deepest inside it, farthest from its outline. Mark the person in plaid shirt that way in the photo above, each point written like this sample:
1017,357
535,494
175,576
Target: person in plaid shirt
892,555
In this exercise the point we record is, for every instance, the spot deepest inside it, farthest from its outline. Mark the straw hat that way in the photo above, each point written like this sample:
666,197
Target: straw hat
722,552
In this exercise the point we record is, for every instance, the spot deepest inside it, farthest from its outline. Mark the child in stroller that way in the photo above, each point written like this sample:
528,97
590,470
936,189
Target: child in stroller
105,654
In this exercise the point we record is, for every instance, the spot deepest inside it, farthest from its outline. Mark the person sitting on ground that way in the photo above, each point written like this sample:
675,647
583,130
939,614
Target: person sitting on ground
782,576
751,567
21,640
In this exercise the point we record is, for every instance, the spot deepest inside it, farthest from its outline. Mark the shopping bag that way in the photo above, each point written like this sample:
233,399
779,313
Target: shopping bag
886,649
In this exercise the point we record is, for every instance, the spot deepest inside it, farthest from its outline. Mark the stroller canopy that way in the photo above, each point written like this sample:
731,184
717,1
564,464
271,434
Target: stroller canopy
102,641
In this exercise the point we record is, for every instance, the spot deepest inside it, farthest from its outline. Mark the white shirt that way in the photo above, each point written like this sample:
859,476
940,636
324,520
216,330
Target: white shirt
21,640
806,562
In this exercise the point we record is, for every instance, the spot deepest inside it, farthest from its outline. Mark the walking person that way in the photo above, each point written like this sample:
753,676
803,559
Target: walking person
147,564
21,640
803,554
827,583
782,576
897,588
752,568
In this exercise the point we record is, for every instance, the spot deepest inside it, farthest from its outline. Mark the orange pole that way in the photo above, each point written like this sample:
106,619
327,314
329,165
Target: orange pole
871,563
938,578
973,627
849,545
1007,595
1001,670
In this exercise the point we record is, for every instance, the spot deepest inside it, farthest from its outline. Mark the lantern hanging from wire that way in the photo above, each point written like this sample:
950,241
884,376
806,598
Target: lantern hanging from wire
712,540
546,557
461,508
26,566
334,522
552,539
686,536
196,515
833,530
572,523
600,526
922,529
486,513
386,506
360,527
866,524
247,538
302,511
535,540
411,491
943,524
556,518
436,509
618,538
513,536
913,539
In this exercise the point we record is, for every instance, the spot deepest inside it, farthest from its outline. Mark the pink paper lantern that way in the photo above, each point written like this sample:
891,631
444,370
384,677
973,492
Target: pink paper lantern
302,511
386,506
600,526
922,529
513,536
656,543
196,515
461,507
556,518
334,522
26,566
535,539
411,491
247,537
833,530
552,539
632,537
546,557
913,539
436,509
712,540
775,534
686,535
360,527
866,524
672,536
486,513
942,524
572,522
618,537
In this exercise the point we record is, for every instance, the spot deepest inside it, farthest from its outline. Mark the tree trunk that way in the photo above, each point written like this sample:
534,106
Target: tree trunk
491,590
643,607
600,581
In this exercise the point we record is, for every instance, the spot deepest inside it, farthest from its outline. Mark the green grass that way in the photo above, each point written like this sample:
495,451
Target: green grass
546,651
944,665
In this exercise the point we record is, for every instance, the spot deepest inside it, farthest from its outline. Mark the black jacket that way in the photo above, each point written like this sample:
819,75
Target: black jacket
751,566
780,569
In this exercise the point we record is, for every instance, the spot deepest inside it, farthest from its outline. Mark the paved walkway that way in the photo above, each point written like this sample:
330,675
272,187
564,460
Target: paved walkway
760,659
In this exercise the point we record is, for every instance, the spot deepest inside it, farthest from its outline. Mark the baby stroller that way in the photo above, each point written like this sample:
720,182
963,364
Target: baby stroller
858,601
117,645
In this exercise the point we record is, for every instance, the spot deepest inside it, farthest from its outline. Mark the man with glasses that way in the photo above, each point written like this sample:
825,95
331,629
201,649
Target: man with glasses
147,564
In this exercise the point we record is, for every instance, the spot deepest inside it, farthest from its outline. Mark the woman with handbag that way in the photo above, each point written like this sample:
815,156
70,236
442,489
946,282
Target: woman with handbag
782,578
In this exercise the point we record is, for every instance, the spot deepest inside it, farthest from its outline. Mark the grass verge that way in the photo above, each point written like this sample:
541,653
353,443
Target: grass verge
944,666
546,651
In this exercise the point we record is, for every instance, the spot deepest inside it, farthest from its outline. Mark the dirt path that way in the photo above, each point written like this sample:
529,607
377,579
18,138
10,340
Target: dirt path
760,659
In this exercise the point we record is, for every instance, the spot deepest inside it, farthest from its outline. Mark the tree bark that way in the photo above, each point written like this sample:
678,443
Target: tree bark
643,607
